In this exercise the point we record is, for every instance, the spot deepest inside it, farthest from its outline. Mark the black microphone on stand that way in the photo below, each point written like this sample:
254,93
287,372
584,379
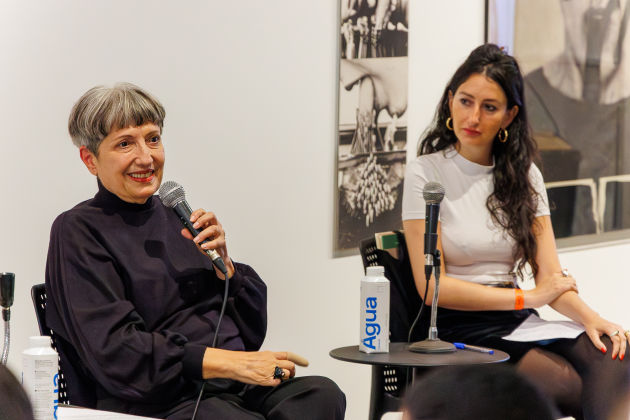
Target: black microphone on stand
433,194
7,289
172,195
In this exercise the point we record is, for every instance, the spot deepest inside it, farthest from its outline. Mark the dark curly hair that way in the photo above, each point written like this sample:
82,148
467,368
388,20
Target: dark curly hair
514,201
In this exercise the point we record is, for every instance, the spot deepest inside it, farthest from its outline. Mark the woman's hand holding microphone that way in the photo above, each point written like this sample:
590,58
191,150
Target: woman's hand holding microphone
211,229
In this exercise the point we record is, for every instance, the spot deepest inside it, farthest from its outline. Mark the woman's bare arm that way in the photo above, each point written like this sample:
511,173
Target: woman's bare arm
570,304
466,296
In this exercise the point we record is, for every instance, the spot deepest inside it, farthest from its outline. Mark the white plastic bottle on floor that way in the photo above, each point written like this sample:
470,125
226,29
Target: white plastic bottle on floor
40,374
374,335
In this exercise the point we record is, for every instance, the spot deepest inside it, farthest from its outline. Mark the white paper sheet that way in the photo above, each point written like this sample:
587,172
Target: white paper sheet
75,413
536,329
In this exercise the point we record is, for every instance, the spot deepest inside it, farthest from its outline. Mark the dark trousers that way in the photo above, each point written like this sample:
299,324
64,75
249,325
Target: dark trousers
304,398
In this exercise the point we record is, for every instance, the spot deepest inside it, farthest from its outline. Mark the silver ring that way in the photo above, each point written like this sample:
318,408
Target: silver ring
614,334
565,273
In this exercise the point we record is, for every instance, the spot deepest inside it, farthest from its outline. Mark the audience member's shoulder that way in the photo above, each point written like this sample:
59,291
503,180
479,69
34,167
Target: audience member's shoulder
14,403
482,393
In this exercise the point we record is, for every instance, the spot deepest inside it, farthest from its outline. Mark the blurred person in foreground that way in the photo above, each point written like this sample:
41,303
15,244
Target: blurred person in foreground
493,392
14,404
135,305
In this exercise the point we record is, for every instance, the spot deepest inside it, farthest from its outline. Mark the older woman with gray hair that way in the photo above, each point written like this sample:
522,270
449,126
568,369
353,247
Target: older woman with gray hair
135,305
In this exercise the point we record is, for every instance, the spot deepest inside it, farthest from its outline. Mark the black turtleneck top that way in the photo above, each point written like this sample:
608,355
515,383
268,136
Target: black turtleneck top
140,303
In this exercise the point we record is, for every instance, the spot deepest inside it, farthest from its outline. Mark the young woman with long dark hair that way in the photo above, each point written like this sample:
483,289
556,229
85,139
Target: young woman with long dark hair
494,221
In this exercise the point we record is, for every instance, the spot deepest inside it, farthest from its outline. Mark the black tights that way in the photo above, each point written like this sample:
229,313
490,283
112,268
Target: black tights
583,382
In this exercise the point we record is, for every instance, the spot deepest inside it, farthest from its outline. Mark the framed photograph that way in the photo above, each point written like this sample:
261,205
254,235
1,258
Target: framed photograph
575,58
372,123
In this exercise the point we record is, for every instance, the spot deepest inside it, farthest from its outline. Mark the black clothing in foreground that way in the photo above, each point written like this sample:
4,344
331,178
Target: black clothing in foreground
303,398
14,403
140,303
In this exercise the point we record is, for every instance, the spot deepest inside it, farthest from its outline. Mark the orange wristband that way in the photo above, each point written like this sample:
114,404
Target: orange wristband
520,299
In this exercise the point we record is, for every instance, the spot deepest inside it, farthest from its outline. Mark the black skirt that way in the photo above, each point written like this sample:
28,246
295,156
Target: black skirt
472,327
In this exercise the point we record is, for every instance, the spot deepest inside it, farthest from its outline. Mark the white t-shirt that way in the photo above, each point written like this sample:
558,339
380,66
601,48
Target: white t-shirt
475,249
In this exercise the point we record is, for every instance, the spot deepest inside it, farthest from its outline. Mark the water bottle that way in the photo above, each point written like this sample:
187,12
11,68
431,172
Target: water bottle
40,373
374,335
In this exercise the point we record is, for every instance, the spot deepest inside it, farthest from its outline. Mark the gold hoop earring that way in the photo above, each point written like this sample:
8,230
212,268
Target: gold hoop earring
449,119
505,135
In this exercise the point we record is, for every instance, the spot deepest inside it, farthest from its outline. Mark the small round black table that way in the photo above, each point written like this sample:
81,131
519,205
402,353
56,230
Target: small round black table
389,380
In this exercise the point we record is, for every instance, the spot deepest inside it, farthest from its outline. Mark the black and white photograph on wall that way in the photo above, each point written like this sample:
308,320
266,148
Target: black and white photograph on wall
374,28
372,136
575,56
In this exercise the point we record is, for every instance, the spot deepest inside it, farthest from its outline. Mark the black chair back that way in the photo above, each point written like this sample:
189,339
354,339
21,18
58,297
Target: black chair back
38,294
83,389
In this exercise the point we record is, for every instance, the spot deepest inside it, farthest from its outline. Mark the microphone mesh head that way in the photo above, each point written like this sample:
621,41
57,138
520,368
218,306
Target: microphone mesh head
433,192
171,193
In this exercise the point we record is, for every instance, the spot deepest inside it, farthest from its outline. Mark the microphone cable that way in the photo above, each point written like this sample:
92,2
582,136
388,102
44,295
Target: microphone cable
216,336
173,196
426,291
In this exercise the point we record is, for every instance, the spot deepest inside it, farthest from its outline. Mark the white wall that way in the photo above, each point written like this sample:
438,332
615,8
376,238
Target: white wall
249,89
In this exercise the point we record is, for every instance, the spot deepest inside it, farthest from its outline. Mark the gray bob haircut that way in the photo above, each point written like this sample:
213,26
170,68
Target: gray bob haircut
103,109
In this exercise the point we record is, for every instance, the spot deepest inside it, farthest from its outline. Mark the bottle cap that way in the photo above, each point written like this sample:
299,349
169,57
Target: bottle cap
40,341
375,271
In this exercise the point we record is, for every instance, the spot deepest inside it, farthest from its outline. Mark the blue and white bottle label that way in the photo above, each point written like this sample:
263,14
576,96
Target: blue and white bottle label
374,329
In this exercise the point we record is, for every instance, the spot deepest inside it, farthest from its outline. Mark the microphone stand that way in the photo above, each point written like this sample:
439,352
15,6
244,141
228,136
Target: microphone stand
6,315
7,287
433,344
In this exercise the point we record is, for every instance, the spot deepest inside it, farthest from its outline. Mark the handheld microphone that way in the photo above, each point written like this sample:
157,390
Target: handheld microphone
172,195
7,289
433,194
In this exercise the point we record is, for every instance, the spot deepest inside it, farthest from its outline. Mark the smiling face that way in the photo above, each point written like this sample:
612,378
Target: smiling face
479,108
130,162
